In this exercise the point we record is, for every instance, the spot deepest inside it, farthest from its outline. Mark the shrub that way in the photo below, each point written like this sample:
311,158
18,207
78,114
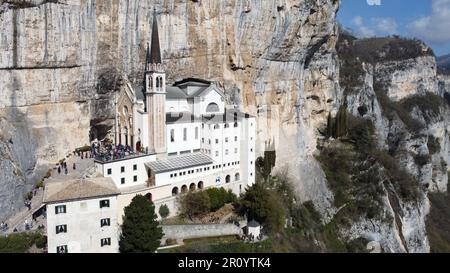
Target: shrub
218,197
164,211
21,242
48,174
40,184
422,159
429,104
390,108
404,183
433,144
194,204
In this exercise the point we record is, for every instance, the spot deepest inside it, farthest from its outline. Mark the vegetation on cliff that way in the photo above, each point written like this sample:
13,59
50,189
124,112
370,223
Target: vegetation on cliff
438,222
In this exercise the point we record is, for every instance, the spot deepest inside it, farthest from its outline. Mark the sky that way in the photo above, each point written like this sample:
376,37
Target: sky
428,20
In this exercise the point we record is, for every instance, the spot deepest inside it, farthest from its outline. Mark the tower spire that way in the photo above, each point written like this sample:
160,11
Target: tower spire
155,53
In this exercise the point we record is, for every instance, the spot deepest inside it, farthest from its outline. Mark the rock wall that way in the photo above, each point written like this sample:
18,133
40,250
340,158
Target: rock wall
60,62
408,77
403,79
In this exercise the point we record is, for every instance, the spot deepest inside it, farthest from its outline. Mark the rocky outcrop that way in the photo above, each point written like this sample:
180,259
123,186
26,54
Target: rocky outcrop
395,95
409,77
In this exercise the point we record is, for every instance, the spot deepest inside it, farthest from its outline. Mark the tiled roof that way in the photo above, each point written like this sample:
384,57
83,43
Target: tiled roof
179,162
76,189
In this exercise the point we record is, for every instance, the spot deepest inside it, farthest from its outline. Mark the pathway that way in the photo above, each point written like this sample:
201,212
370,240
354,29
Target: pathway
84,168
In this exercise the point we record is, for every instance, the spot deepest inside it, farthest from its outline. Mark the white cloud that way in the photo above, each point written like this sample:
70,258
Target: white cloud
436,27
385,25
358,21
377,26
374,2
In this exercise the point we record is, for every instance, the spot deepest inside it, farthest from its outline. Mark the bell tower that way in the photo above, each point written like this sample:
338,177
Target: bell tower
155,90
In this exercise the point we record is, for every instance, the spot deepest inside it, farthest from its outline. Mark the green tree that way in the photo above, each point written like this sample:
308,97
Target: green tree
164,211
265,206
141,232
218,197
194,204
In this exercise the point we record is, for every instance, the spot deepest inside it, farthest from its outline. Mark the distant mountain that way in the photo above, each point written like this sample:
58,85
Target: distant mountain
444,64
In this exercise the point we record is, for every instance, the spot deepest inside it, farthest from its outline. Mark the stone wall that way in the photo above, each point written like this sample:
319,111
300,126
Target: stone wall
180,232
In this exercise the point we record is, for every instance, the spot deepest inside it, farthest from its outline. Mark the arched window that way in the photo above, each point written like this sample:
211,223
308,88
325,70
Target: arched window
192,187
184,189
236,124
228,179
237,177
125,111
212,107
200,185
216,126
175,191
226,125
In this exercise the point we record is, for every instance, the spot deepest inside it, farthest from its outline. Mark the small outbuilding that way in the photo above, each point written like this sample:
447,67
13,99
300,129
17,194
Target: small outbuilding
253,229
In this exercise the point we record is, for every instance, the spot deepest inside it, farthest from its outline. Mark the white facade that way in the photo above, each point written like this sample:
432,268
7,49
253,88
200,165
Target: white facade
84,231
197,123
128,172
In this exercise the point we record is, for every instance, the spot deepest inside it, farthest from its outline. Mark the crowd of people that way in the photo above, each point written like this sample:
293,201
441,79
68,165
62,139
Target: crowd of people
106,151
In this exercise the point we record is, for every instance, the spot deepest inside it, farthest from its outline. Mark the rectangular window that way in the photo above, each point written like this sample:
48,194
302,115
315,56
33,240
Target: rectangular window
105,222
226,152
105,242
235,138
60,209
226,140
61,229
185,134
172,135
122,169
217,153
196,133
61,249
122,180
135,178
235,150
109,171
135,167
104,203
217,141
203,140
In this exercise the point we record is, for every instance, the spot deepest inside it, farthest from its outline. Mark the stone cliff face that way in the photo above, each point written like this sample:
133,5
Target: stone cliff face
61,60
388,92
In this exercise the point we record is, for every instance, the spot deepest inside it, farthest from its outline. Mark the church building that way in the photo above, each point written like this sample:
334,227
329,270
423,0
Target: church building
184,137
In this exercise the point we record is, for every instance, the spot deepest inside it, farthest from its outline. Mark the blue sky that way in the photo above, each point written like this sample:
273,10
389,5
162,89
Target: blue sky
428,20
